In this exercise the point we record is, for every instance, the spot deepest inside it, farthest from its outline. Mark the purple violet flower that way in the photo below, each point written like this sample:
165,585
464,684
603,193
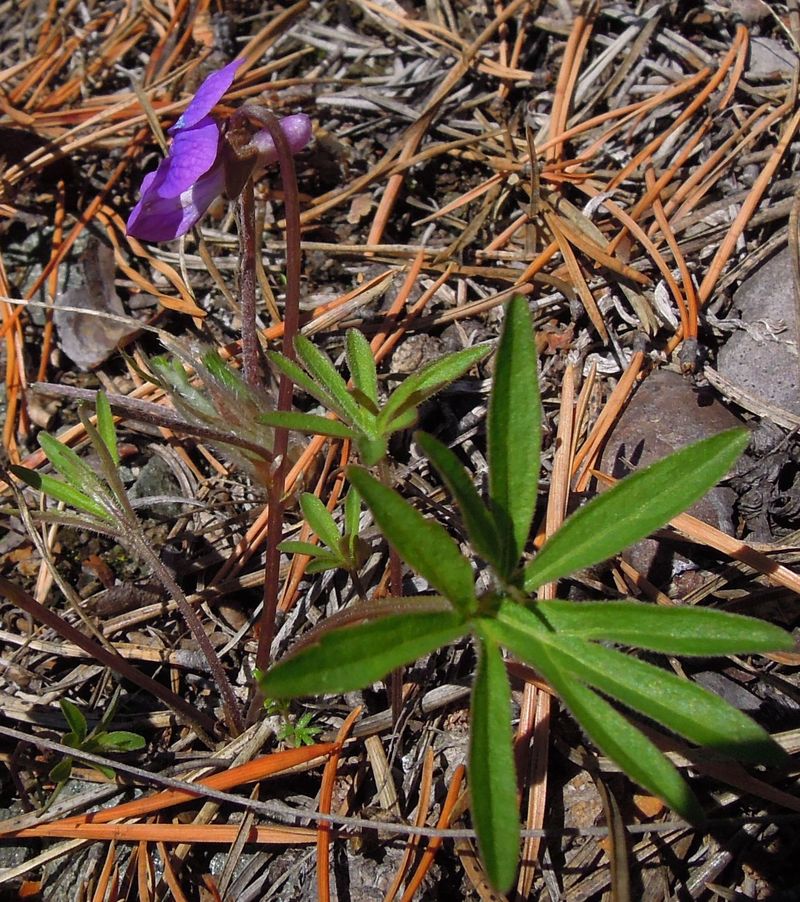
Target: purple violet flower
192,175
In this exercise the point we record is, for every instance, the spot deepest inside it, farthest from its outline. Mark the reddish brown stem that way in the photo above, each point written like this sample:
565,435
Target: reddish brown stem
246,219
291,324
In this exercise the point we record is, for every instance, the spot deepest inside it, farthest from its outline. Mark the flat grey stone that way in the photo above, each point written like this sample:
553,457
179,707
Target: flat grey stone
761,357
666,414
769,59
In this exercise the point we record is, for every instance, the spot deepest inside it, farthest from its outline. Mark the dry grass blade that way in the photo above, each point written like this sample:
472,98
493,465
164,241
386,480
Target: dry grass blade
426,860
425,784
325,798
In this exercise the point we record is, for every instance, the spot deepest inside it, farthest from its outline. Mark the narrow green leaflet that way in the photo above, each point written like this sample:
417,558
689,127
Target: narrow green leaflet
319,518
105,425
352,511
478,521
430,379
172,377
74,718
624,744
292,546
403,420
69,465
635,507
61,772
684,707
60,491
352,546
680,705
371,449
120,741
309,423
678,630
513,431
362,365
356,656
326,374
323,562
423,543
219,370
492,775
108,772
301,378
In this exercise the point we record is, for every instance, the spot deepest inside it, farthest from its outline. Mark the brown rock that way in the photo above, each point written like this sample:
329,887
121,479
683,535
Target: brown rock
666,414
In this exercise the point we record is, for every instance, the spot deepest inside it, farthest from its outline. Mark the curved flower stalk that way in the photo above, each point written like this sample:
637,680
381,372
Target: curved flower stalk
197,169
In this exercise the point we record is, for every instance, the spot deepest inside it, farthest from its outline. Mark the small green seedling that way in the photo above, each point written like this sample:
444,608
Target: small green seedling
571,644
345,550
361,418
98,742
294,731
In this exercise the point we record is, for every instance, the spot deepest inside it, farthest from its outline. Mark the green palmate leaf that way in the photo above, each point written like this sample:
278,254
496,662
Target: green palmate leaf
306,422
356,656
492,775
120,741
624,744
105,425
319,518
362,365
513,431
78,474
60,491
430,379
478,521
74,718
684,707
423,543
677,630
326,374
635,507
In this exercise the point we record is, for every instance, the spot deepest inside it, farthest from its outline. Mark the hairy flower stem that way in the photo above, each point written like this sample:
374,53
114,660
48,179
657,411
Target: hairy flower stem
246,221
291,324
131,536
230,706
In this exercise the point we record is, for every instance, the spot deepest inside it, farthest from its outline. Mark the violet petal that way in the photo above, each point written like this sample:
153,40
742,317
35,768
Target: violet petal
296,130
157,218
193,152
207,96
